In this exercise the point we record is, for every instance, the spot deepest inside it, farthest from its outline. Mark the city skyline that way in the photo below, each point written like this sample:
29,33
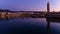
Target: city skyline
29,5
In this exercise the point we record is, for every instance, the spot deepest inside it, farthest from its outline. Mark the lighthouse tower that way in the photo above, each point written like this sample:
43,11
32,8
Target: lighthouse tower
48,7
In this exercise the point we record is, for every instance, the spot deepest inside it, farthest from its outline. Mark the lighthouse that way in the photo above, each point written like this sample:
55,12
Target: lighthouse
48,7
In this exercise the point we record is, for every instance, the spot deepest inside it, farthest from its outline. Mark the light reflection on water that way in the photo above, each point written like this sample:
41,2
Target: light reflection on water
55,27
35,25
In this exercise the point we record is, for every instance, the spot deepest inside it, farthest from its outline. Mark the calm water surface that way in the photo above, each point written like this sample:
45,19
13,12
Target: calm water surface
28,25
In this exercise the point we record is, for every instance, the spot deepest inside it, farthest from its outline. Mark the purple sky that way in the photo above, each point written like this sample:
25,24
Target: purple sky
32,5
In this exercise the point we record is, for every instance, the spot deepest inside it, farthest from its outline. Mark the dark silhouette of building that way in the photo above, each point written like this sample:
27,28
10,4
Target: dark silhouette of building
48,7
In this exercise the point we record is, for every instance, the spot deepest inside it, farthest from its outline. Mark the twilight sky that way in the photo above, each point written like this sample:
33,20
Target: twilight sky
32,5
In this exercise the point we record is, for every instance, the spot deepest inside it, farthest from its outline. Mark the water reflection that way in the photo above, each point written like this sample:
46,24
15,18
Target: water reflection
18,25
31,25
55,28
